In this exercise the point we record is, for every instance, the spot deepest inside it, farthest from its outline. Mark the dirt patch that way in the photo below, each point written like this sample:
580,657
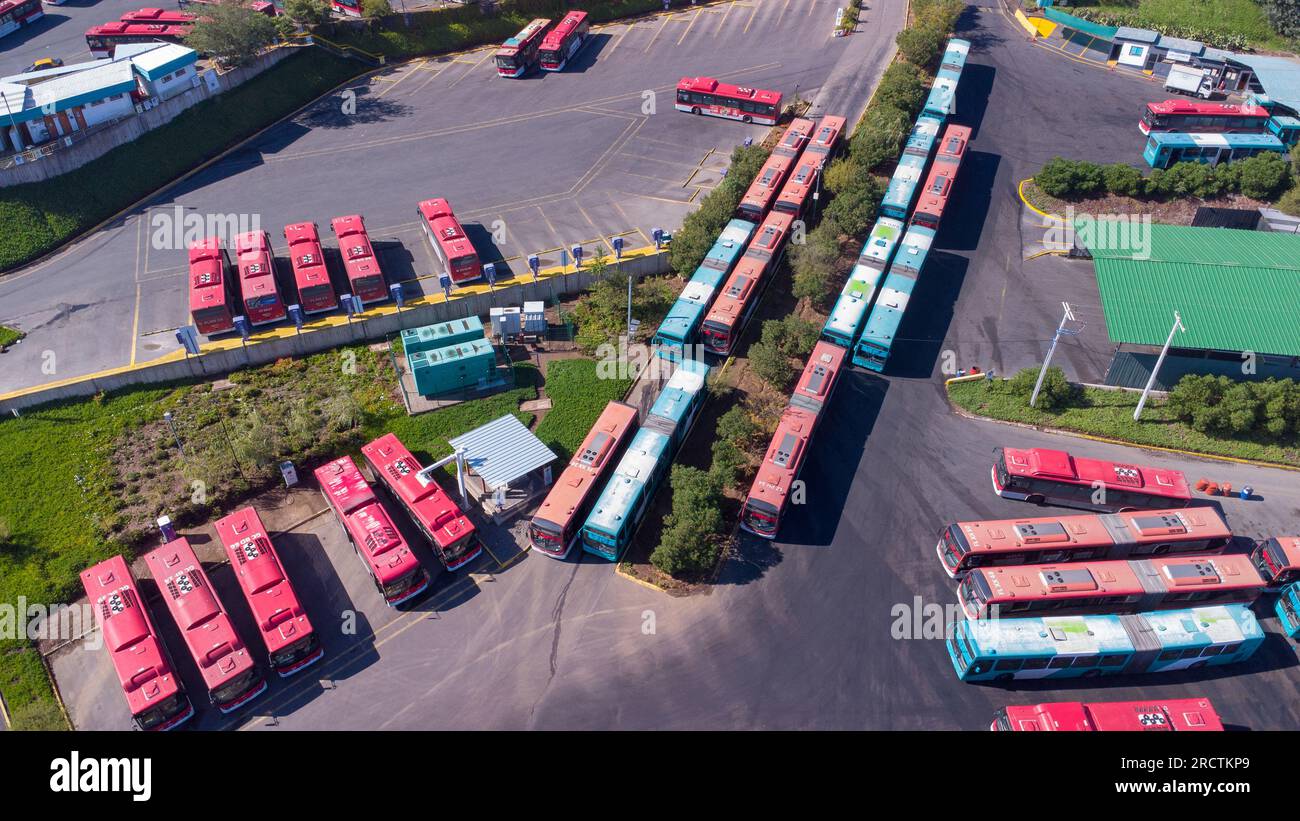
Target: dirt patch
1168,212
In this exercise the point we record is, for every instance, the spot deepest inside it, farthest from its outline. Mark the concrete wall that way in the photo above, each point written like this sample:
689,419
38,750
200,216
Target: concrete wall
215,363
102,111
133,125
179,82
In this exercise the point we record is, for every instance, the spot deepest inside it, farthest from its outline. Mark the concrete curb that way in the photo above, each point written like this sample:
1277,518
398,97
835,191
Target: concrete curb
1020,191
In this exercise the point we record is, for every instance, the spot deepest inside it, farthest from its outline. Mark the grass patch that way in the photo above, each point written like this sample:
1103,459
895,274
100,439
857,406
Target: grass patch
27,692
1109,414
9,336
1223,23
578,394
38,217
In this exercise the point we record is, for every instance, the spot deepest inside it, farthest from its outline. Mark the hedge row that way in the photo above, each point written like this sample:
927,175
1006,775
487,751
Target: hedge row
1263,177
701,227
1222,406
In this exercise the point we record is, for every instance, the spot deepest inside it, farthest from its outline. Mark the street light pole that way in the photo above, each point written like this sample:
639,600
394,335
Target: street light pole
1068,316
1142,402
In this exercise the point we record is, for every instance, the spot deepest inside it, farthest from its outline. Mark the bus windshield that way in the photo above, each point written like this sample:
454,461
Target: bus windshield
510,61
234,687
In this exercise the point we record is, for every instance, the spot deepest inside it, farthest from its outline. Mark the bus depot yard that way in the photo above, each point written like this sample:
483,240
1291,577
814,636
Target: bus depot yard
847,600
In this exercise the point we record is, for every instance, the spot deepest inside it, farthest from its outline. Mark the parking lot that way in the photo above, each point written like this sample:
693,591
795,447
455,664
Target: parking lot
61,33
531,166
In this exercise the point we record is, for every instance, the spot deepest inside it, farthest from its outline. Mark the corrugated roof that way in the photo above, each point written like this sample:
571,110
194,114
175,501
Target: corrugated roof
1279,76
1236,290
1136,34
1193,47
502,451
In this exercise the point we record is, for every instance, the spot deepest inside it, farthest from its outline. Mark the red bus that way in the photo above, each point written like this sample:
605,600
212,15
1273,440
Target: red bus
825,140
797,192
1120,586
365,277
1203,118
967,545
564,41
153,692
518,55
103,39
291,642
14,14
739,295
1278,560
350,8
262,301
450,244
310,274
223,660
705,95
212,290
938,185
1046,476
155,15
556,525
763,190
1177,714
393,568
450,532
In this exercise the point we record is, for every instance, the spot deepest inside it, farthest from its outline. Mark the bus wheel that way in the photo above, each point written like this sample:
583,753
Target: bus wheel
695,110
1035,499
747,119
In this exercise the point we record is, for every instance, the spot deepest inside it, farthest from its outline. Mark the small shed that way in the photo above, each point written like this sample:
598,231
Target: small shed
506,466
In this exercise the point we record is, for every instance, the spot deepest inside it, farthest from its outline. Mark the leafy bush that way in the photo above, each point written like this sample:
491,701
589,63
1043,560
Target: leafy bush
902,87
1221,406
853,208
692,535
234,34
1263,176
812,261
1289,203
1122,180
736,434
1055,393
601,313
920,45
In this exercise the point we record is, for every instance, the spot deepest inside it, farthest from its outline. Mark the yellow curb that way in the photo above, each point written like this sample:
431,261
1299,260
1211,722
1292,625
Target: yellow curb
1020,190
619,571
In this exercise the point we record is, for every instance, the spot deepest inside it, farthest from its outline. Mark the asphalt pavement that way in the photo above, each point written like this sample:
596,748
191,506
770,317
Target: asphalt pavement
61,32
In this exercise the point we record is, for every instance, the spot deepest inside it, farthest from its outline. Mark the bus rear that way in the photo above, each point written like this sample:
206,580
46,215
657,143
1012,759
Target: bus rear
261,294
292,644
229,673
154,694
310,274
211,289
365,277
1288,609
1278,560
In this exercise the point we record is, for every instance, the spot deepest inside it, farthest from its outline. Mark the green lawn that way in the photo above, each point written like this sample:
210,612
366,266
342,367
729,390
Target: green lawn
1198,19
1110,414
578,394
8,336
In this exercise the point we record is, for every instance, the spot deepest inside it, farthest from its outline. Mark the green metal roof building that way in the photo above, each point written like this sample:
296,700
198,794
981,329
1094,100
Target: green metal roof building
1235,290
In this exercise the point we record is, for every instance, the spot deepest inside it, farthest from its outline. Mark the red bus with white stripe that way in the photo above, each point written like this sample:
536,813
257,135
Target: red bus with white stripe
451,534
228,670
262,301
518,55
739,295
707,96
154,694
763,191
103,39
156,15
1054,477
392,566
1119,586
943,172
449,242
292,644
556,525
310,274
211,287
1089,537
1203,118
365,277
564,41
1175,714
14,14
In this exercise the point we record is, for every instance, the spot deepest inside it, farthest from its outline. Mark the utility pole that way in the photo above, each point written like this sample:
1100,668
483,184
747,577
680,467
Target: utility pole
1142,402
1068,316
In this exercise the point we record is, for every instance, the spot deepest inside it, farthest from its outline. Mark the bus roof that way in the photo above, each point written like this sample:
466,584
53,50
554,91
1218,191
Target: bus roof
528,32
1179,139
344,486
616,501
578,478
369,527
1207,109
268,591
428,502
819,376
1136,527
207,274
555,37
708,85
451,235
1049,463
1119,577
123,29
785,454
1170,714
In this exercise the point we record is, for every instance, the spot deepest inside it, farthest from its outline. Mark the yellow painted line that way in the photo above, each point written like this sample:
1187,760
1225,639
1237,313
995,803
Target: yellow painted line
1020,189
750,20
135,323
488,551
618,41
1043,254
784,9
486,54
662,26
691,25
725,15
414,66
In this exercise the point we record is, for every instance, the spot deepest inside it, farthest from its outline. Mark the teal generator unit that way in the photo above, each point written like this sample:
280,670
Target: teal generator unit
452,367
417,340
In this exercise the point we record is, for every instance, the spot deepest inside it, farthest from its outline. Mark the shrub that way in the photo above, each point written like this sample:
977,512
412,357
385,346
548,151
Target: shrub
854,206
1186,179
701,227
1055,393
736,434
770,365
1218,405
812,261
1068,179
920,45
1263,176
1289,203
691,538
1122,180
902,87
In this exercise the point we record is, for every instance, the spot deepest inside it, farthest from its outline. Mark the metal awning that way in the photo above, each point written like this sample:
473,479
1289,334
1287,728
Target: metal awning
503,451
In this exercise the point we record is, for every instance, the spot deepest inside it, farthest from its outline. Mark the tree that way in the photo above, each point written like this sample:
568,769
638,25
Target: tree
233,34
812,262
901,86
920,45
1263,176
308,12
1055,392
692,531
1122,179
1283,16
770,364
853,208
373,9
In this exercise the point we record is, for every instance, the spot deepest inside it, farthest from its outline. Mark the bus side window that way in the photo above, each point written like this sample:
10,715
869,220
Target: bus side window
1060,662
1111,661
1008,664
1036,664
1169,655
1087,661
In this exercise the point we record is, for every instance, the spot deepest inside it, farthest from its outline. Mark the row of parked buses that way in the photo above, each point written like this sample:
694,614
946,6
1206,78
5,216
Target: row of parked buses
14,14
150,25
1182,131
230,672
543,45
217,295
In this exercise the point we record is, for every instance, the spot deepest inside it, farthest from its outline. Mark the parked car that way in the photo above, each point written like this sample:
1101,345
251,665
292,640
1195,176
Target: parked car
44,63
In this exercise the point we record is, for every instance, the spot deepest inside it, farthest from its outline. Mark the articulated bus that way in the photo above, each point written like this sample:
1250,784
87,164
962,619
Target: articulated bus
228,670
212,290
964,546
900,193
682,322
943,173
564,41
845,321
1054,477
449,242
14,14
1278,560
393,568
736,302
554,528
292,645
365,277
156,15
1203,118
310,274
618,511
262,301
1089,646
518,55
154,694
879,333
705,95
104,39
1175,714
451,534
788,449
942,100
1164,148
762,192
1118,586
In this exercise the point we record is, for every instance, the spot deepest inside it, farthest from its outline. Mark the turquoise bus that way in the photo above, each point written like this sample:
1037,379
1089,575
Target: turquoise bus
901,191
845,322
877,340
1088,646
1164,148
943,94
1288,609
682,322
